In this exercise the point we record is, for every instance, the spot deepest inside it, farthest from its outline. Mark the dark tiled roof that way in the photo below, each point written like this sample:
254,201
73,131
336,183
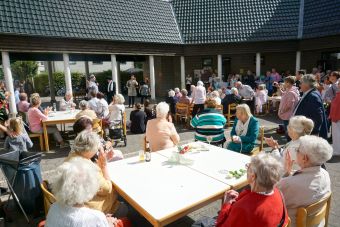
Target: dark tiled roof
215,21
120,20
321,18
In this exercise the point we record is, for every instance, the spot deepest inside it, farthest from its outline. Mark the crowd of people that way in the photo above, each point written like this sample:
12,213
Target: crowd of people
279,181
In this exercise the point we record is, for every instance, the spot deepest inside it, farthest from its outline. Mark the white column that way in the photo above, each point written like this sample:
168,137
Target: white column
114,71
6,67
298,61
182,72
67,72
258,64
219,66
152,77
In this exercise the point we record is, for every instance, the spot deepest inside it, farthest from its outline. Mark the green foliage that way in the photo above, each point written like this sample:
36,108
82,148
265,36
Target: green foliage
24,69
41,81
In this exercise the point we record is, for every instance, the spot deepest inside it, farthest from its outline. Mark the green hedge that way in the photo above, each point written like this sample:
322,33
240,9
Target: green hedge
41,81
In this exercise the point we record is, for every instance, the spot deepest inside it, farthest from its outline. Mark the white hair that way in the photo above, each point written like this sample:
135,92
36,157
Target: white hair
162,109
199,83
86,141
267,169
234,90
310,80
176,90
171,93
75,181
301,125
83,105
316,148
215,94
118,99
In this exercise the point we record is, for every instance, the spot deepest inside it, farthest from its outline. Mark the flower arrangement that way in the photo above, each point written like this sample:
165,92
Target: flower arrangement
183,149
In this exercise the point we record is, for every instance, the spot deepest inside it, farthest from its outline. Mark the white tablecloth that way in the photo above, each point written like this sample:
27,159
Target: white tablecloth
163,189
62,115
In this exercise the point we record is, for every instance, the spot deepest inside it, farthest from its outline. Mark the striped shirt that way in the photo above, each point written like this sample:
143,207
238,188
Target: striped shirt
209,122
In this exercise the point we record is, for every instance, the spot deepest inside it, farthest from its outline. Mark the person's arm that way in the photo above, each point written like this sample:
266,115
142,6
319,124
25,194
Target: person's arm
315,110
174,135
252,133
28,141
194,121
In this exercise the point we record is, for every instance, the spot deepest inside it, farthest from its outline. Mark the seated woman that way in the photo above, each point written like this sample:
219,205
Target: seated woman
86,145
116,108
298,126
216,96
209,123
67,103
104,106
74,184
262,204
35,116
245,130
85,123
231,98
137,118
184,98
86,111
160,133
311,183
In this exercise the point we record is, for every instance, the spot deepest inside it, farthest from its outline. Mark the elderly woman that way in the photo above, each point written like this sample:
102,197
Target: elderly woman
312,182
86,111
298,126
35,116
199,96
245,130
104,106
184,98
178,94
171,101
209,124
86,145
74,184
116,108
262,204
231,98
216,96
160,133
67,102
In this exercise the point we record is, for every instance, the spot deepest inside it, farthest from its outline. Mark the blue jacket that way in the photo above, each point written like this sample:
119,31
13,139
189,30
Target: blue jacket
249,140
311,106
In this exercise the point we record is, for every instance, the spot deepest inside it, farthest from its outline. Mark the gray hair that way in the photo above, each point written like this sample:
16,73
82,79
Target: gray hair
184,92
171,93
75,181
301,125
234,90
199,83
83,105
118,99
162,109
215,94
310,80
176,90
86,141
267,169
316,148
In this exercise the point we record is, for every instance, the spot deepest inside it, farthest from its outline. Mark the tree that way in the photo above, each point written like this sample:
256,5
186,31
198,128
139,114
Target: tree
24,69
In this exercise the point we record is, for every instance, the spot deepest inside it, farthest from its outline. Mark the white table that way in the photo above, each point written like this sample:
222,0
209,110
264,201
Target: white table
58,117
163,192
215,163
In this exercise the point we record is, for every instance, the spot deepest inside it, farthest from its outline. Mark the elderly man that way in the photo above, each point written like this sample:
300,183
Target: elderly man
247,93
234,97
311,106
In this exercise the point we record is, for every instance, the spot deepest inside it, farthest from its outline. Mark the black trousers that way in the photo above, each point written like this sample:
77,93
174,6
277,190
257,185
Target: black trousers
131,101
142,98
197,108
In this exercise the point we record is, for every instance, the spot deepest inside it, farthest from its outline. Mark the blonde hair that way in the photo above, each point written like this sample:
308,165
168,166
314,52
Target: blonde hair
301,125
16,125
35,99
118,99
244,108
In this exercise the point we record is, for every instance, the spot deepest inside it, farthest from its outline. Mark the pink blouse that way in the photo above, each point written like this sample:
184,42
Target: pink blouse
35,116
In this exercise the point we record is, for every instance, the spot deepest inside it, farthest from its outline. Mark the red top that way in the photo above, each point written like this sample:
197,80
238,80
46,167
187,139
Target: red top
253,209
335,108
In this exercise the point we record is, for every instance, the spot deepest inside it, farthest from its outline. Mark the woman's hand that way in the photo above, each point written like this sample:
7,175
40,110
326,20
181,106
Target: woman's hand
272,143
236,139
101,159
230,196
288,163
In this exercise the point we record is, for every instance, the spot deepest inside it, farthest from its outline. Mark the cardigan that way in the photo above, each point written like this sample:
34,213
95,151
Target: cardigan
248,141
253,209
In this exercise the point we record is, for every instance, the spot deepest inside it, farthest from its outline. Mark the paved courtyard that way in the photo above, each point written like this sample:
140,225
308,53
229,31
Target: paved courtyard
55,157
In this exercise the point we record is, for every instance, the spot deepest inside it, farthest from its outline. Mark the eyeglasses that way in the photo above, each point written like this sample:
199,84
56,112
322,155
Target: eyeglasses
247,166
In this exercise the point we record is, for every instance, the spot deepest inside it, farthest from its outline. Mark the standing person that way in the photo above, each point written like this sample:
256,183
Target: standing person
290,97
335,118
188,82
333,89
261,96
132,90
144,92
111,89
137,118
298,77
269,83
198,98
93,85
311,106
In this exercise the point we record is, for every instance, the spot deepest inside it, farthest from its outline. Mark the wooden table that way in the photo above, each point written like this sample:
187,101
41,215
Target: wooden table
59,117
163,192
